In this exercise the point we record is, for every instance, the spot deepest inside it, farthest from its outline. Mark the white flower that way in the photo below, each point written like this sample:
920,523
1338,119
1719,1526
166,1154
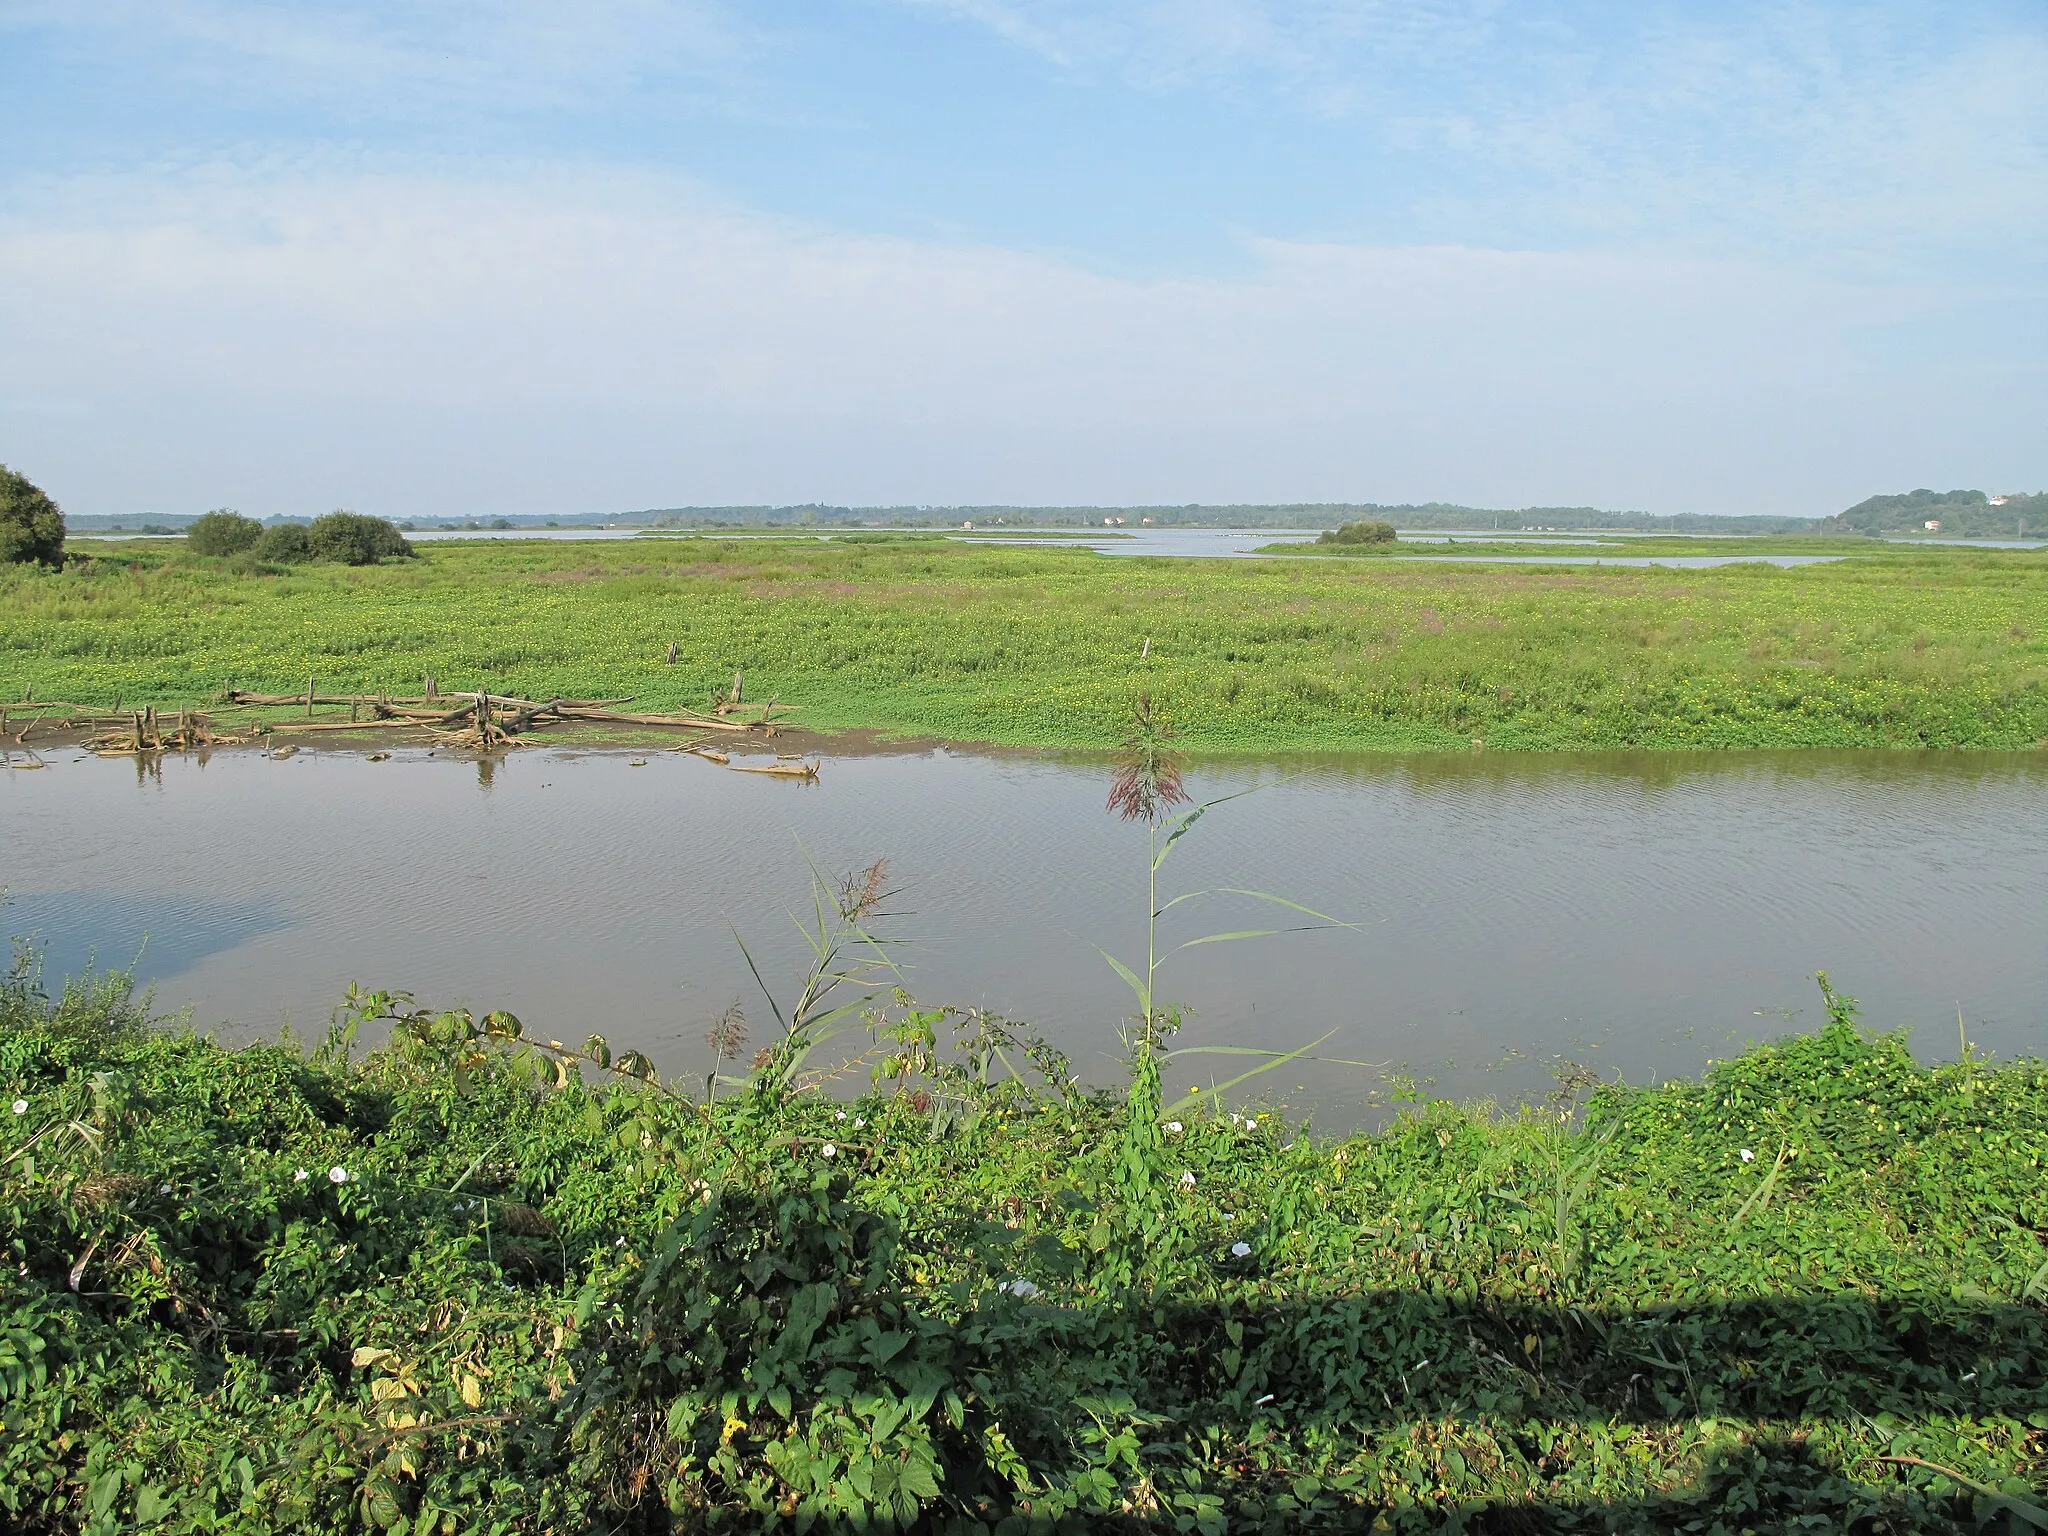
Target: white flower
829,1150
841,1115
859,1123
301,1176
1234,1120
1748,1156
21,1106
1174,1126
1023,1290
337,1174
1187,1180
1263,1401
1240,1250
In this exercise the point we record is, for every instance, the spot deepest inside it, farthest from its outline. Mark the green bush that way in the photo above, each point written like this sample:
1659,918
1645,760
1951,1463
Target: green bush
31,526
1359,533
285,543
223,532
353,539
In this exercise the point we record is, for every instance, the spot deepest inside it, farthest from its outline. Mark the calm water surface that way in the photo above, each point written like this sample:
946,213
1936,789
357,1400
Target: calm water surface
1640,913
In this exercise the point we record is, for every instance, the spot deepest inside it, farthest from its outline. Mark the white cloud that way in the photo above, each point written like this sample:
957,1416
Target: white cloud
1893,132
579,338
427,58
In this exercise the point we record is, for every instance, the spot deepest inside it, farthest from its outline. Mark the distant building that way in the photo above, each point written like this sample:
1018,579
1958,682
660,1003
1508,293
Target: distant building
968,526
1932,525
1998,501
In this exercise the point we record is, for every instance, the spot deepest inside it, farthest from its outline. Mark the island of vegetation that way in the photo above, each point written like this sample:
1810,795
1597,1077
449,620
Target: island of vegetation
1892,646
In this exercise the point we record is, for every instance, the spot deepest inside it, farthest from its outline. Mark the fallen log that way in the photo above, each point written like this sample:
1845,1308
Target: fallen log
296,727
780,770
687,722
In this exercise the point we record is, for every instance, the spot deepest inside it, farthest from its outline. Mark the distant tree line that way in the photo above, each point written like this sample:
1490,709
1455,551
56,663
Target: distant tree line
1962,514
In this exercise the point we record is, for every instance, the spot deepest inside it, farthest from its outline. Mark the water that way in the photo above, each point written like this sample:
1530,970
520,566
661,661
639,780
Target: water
1242,543
1639,913
1683,562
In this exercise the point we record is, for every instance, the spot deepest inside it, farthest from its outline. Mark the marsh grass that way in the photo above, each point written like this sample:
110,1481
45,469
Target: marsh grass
1897,646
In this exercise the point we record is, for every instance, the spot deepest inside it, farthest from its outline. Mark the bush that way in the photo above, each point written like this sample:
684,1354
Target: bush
1359,533
222,532
31,527
288,543
354,539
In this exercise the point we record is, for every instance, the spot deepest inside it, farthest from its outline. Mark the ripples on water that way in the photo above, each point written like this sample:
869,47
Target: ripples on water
1637,912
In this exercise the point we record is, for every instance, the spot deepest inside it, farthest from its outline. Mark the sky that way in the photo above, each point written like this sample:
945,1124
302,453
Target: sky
454,258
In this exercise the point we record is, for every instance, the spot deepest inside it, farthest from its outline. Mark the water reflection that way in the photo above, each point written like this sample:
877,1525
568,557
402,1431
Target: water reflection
1637,911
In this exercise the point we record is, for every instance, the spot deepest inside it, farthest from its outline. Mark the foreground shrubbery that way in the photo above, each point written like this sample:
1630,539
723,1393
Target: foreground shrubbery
453,1287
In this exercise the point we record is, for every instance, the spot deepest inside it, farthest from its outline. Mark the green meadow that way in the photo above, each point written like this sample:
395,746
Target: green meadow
1894,646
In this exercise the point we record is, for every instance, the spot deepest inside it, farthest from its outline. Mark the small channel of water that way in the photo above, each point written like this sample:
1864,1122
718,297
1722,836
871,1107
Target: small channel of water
1639,913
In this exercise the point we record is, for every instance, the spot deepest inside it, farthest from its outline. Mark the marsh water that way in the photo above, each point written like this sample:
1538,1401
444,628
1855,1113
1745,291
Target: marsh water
1635,913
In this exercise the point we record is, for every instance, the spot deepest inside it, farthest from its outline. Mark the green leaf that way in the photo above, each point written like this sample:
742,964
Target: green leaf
1277,1061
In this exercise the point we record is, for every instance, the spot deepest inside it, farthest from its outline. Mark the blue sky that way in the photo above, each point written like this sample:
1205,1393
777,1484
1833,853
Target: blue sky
465,257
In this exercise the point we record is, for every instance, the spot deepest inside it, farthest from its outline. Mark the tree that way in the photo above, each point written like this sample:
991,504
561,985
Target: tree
285,543
1359,533
354,539
222,532
31,527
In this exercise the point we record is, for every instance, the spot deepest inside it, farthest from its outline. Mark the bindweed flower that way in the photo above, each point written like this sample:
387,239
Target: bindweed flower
1023,1290
859,1124
839,1115
1747,1155
21,1106
828,1150
1187,1180
1174,1126
1240,1250
301,1176
337,1174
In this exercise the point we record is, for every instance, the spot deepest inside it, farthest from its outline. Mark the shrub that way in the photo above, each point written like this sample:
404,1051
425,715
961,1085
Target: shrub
31,527
285,542
1359,533
354,539
222,532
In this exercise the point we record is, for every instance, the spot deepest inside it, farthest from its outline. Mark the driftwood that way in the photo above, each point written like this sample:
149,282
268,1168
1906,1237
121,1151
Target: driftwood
780,770
481,720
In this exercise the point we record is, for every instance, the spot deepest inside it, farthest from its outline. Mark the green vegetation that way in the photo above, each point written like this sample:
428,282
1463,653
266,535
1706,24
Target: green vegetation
475,1283
1897,646
223,532
1358,533
1961,514
31,526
